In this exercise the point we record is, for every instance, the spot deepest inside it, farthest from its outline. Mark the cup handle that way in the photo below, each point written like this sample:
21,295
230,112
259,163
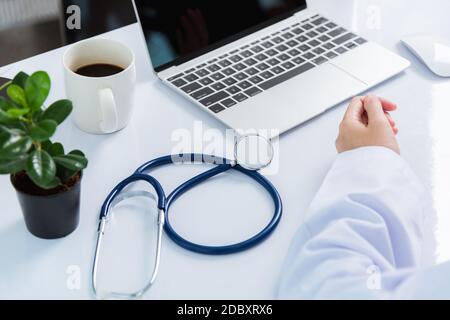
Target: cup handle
108,108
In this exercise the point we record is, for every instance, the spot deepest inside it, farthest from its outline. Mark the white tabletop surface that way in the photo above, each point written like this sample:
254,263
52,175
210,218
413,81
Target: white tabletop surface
228,208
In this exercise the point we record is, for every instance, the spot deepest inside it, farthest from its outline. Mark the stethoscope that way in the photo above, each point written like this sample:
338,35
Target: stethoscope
165,202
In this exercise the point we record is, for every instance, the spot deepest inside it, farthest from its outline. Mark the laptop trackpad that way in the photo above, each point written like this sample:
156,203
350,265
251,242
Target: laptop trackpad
295,101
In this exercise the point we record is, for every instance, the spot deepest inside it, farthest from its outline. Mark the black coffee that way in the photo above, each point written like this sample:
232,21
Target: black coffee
99,70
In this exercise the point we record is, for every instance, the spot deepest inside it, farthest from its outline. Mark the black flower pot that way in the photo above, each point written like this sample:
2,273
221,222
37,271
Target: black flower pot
50,216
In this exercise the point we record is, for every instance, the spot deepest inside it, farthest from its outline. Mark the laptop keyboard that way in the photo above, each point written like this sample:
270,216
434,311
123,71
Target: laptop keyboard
243,73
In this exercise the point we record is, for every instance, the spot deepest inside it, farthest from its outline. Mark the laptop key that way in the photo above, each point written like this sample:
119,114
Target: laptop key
233,90
216,108
271,52
236,58
191,87
319,21
304,47
229,71
282,47
331,25
229,81
277,40
298,60
250,62
240,66
244,85
277,70
351,45
252,92
312,34
360,41
308,26
273,62
262,66
297,31
283,57
288,35
200,94
224,63
206,81
228,103
329,46
246,53
286,76
257,49
217,76
267,44
191,77
314,43
319,60
261,57
218,86
292,43
331,55
213,68
324,38
190,70
344,38
240,97
241,76
202,73
256,79
341,50
337,32
321,29
309,55
179,83
252,71
302,39
294,52
318,50
175,77
212,99
288,65
267,75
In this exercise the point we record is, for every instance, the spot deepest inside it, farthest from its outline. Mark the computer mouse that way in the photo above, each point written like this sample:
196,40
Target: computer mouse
433,50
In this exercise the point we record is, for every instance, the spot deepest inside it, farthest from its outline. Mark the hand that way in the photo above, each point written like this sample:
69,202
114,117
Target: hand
367,122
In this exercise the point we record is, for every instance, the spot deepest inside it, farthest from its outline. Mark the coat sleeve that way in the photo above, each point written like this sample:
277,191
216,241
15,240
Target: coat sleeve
362,235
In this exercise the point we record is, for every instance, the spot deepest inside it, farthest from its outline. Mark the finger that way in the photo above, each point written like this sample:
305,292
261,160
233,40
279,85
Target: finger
355,110
388,105
374,109
389,117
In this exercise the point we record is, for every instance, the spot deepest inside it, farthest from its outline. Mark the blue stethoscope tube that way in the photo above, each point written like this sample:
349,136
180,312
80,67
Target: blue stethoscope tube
164,203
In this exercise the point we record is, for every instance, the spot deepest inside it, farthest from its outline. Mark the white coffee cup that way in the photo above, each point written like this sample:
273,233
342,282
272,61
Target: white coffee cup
102,105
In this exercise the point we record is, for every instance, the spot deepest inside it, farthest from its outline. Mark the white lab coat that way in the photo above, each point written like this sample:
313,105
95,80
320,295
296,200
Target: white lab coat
362,236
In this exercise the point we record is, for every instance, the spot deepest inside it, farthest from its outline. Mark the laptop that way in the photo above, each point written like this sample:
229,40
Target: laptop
260,64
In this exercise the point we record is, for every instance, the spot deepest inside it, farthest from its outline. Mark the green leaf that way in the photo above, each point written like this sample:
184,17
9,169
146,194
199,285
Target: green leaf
43,130
58,111
13,145
11,166
72,162
55,183
5,105
20,79
37,88
17,113
41,169
78,153
56,149
17,94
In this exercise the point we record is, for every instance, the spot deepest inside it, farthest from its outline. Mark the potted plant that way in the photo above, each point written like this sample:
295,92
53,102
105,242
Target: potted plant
47,179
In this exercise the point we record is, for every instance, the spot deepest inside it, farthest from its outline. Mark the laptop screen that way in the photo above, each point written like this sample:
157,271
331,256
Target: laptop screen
177,31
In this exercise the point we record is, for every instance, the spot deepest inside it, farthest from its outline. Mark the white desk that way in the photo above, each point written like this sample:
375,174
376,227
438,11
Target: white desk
33,268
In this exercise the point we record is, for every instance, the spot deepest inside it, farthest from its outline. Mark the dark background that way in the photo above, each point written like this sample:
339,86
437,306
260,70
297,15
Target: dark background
33,35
